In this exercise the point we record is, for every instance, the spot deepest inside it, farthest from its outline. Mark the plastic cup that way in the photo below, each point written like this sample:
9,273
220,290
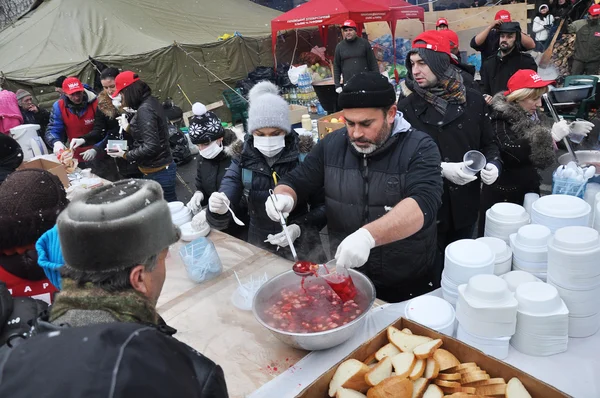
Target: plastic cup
528,201
338,278
577,133
478,160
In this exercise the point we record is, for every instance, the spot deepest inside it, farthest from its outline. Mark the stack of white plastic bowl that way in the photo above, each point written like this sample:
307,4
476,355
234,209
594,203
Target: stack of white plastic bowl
558,211
486,311
503,219
542,320
574,269
433,312
180,214
597,213
592,190
514,279
530,249
502,253
463,259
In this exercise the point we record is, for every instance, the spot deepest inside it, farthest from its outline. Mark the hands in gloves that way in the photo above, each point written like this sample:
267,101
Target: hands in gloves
280,238
216,203
89,155
354,251
195,204
339,90
118,154
199,221
455,173
283,203
123,122
560,130
58,146
583,126
489,174
76,143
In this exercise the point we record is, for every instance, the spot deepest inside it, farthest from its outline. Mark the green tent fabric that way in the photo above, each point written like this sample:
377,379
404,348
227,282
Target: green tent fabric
155,38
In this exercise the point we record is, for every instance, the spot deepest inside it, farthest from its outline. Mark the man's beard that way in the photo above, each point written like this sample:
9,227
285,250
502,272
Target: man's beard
508,49
382,137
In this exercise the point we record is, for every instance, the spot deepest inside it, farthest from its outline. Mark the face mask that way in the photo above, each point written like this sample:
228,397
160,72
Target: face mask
269,146
117,101
211,151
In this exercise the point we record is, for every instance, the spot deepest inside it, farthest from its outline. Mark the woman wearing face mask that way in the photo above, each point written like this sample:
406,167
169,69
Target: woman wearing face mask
269,152
526,142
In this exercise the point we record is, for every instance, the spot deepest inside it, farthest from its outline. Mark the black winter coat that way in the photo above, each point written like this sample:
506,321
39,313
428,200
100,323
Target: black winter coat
496,71
17,314
115,359
463,128
41,117
150,134
359,188
309,214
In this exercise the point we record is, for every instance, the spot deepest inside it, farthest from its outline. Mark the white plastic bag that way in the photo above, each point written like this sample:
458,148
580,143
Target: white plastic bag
295,72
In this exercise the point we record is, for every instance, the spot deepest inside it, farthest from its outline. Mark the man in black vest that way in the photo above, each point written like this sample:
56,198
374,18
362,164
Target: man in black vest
383,187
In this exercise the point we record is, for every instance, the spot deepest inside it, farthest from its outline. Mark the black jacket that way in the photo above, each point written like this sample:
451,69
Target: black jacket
359,189
11,156
464,127
352,58
467,72
114,359
309,213
150,136
41,117
17,314
496,71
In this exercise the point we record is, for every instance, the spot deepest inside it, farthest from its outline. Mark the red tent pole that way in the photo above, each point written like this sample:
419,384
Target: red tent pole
273,46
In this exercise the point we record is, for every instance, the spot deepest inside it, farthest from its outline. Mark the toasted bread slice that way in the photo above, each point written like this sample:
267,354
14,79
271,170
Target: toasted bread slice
418,369
407,331
392,387
419,387
433,391
350,374
458,368
432,369
404,363
446,383
426,350
469,370
463,395
492,390
452,390
405,342
516,389
472,377
449,376
445,359
388,350
379,372
348,393
496,380
370,359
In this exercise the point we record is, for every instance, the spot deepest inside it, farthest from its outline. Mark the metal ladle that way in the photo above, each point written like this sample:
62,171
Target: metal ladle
557,119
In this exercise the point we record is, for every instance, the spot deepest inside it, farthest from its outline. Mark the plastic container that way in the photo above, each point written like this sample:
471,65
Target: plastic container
503,219
580,303
487,290
502,254
466,258
433,312
496,347
201,260
306,123
574,258
558,211
528,201
584,326
516,278
188,233
578,131
478,160
117,143
537,298
182,217
485,328
175,207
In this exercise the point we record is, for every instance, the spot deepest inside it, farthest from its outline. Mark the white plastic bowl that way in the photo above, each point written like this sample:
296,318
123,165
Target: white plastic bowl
174,207
188,233
508,213
183,217
466,258
577,239
496,347
502,254
515,278
533,236
585,326
561,206
433,312
537,298
580,303
487,289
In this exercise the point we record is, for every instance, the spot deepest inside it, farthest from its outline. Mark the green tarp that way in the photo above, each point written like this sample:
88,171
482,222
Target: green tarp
150,37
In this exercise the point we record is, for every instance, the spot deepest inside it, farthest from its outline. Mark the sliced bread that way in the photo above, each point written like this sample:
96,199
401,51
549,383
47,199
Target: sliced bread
471,377
407,331
426,350
449,376
370,359
418,369
392,387
433,391
489,382
458,368
379,372
350,374
452,390
419,387
516,389
492,390
445,359
445,383
388,350
348,393
404,363
405,342
432,369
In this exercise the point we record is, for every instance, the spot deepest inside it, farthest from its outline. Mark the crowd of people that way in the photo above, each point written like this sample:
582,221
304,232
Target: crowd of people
391,187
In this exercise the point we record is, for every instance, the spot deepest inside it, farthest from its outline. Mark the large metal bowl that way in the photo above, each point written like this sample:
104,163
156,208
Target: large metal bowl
317,340
584,157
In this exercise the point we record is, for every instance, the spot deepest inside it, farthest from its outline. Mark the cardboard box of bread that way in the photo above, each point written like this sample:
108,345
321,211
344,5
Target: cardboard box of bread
408,360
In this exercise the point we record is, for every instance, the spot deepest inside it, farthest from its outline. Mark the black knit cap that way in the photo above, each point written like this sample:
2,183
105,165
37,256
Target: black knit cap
11,154
509,27
438,62
367,90
205,128
31,201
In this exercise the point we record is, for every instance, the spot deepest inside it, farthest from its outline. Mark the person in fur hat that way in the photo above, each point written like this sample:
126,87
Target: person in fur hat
11,156
270,151
526,142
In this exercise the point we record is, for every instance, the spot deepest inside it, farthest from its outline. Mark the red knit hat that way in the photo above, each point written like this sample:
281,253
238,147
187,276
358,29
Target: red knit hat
441,21
124,79
503,15
72,85
435,41
526,78
594,10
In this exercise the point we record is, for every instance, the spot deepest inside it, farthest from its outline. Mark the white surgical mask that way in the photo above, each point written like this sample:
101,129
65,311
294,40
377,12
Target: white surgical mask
269,146
211,151
116,101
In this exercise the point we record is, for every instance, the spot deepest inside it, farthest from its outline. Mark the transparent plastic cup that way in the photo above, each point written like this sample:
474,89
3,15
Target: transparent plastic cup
338,278
478,160
577,133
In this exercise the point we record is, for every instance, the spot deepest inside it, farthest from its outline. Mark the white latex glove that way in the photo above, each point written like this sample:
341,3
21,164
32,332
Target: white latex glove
58,146
199,221
280,238
489,174
487,98
354,251
89,155
216,203
338,90
76,143
455,173
283,203
560,130
195,204
123,122
116,154
584,125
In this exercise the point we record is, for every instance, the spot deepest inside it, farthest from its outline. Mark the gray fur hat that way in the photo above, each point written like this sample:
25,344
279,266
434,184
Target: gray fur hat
267,108
116,226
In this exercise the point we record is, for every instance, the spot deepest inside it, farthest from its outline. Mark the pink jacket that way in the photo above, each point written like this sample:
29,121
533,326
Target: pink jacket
10,114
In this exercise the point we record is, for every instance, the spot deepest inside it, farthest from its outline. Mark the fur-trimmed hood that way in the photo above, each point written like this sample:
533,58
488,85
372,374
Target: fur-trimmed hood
520,123
232,145
106,106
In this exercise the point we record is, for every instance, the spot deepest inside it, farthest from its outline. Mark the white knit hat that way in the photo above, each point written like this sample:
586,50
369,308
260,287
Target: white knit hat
267,108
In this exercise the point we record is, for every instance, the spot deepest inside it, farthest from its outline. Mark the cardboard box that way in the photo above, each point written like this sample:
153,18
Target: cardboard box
55,168
323,124
296,112
494,367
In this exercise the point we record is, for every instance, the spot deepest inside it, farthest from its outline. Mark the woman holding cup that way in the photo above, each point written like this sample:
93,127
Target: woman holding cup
527,143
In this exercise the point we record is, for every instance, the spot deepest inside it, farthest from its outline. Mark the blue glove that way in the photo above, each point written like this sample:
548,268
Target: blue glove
50,256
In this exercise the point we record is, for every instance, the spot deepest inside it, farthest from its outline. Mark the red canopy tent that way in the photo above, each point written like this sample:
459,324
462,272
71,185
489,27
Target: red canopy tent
401,10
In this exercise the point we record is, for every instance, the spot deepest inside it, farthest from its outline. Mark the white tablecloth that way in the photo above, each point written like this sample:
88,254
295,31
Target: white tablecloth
575,372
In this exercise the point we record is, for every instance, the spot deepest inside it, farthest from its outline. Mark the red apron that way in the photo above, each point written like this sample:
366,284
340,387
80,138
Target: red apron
18,287
78,126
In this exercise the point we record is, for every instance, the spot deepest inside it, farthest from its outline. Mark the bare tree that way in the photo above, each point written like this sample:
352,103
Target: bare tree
11,10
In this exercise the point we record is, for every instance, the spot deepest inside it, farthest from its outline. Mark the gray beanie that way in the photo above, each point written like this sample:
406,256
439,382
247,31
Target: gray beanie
116,226
22,94
267,108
